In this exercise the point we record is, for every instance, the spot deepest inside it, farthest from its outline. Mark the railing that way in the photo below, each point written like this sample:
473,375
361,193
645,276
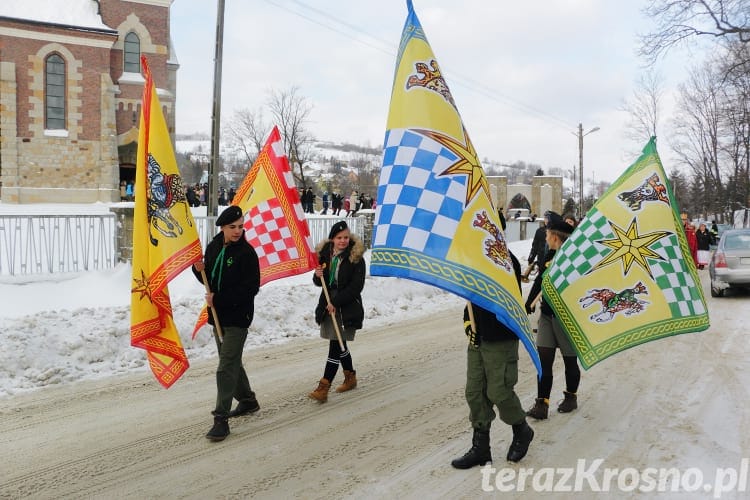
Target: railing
42,244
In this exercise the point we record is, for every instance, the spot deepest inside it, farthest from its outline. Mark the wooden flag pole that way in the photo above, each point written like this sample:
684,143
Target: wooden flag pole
217,325
536,300
333,316
471,317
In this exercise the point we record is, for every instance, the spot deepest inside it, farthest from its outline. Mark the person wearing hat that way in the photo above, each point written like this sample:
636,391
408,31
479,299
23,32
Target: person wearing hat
341,265
550,334
231,267
491,374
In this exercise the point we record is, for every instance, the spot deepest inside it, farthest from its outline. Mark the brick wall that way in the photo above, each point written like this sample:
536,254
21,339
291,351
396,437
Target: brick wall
79,164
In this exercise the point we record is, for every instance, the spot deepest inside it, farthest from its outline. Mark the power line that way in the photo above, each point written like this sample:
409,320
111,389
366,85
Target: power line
465,82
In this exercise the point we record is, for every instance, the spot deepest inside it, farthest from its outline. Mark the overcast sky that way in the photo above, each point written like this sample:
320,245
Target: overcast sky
523,74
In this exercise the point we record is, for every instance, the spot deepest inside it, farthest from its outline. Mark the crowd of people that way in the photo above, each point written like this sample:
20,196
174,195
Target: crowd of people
700,241
331,203
197,195
336,203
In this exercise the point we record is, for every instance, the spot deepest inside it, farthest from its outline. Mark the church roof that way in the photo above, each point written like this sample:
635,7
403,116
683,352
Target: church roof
77,13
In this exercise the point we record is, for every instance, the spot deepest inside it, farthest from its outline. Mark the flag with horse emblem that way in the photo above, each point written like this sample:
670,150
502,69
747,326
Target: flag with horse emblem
275,223
165,241
626,276
435,222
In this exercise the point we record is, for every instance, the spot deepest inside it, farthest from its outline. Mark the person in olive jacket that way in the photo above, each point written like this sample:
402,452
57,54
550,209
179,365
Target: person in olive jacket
342,266
233,272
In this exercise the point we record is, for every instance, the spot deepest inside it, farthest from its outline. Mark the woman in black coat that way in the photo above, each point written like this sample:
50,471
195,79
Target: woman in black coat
705,240
342,267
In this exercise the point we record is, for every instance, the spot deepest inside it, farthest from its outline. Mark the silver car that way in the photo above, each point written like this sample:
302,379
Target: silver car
730,264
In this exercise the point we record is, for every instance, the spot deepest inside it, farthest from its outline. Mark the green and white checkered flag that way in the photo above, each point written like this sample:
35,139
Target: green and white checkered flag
626,276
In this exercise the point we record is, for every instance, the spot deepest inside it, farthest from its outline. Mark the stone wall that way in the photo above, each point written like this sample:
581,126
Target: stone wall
125,217
544,193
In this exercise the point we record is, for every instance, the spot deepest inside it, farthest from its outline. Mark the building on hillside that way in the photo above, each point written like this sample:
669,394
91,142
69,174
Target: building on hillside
70,91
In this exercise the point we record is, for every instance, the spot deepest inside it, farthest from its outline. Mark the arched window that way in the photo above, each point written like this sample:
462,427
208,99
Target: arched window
54,93
132,53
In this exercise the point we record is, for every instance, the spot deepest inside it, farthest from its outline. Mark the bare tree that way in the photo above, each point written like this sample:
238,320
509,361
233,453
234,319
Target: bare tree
248,130
736,121
644,109
682,21
290,111
698,127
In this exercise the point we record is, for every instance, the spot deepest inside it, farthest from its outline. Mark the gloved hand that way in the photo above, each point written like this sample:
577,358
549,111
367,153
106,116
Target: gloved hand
529,308
473,339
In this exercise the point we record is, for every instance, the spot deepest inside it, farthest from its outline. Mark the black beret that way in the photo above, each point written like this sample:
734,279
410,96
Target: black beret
556,223
337,228
229,215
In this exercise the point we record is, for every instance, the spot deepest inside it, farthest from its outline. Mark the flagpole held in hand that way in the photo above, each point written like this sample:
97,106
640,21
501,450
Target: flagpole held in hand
536,300
213,310
333,316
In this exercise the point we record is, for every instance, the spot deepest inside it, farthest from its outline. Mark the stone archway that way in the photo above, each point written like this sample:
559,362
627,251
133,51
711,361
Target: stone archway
519,200
544,193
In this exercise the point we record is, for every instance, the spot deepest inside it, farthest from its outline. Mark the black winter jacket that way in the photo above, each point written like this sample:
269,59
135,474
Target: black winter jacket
537,286
538,246
705,240
234,282
346,291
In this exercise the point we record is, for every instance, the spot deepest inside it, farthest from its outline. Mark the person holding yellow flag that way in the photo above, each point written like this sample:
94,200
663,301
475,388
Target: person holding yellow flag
233,274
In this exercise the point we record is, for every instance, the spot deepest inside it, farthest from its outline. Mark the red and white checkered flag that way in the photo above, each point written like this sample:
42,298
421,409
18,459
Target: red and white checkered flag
275,223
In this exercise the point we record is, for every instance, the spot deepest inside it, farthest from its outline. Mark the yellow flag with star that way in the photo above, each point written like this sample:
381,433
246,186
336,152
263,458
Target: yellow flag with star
165,241
626,275
435,221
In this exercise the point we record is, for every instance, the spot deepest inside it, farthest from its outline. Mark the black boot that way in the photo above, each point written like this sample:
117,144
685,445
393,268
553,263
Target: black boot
244,407
220,430
479,454
568,404
522,436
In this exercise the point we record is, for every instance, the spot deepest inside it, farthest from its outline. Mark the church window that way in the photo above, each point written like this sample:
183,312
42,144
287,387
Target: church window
132,53
54,93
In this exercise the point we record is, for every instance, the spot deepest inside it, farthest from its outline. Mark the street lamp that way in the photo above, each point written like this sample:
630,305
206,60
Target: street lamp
581,135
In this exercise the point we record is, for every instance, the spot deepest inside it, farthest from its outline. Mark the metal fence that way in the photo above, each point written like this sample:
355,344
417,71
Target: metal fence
44,244
41,244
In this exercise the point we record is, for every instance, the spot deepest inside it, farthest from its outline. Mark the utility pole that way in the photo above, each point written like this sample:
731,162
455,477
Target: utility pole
581,135
213,167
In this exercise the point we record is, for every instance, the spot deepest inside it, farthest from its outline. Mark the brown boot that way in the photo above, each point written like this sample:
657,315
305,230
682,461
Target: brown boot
540,409
350,381
568,404
321,393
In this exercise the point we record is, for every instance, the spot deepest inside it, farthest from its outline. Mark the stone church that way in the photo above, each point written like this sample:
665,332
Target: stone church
70,91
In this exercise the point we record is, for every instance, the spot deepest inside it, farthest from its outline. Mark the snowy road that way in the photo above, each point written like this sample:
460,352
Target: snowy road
679,403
